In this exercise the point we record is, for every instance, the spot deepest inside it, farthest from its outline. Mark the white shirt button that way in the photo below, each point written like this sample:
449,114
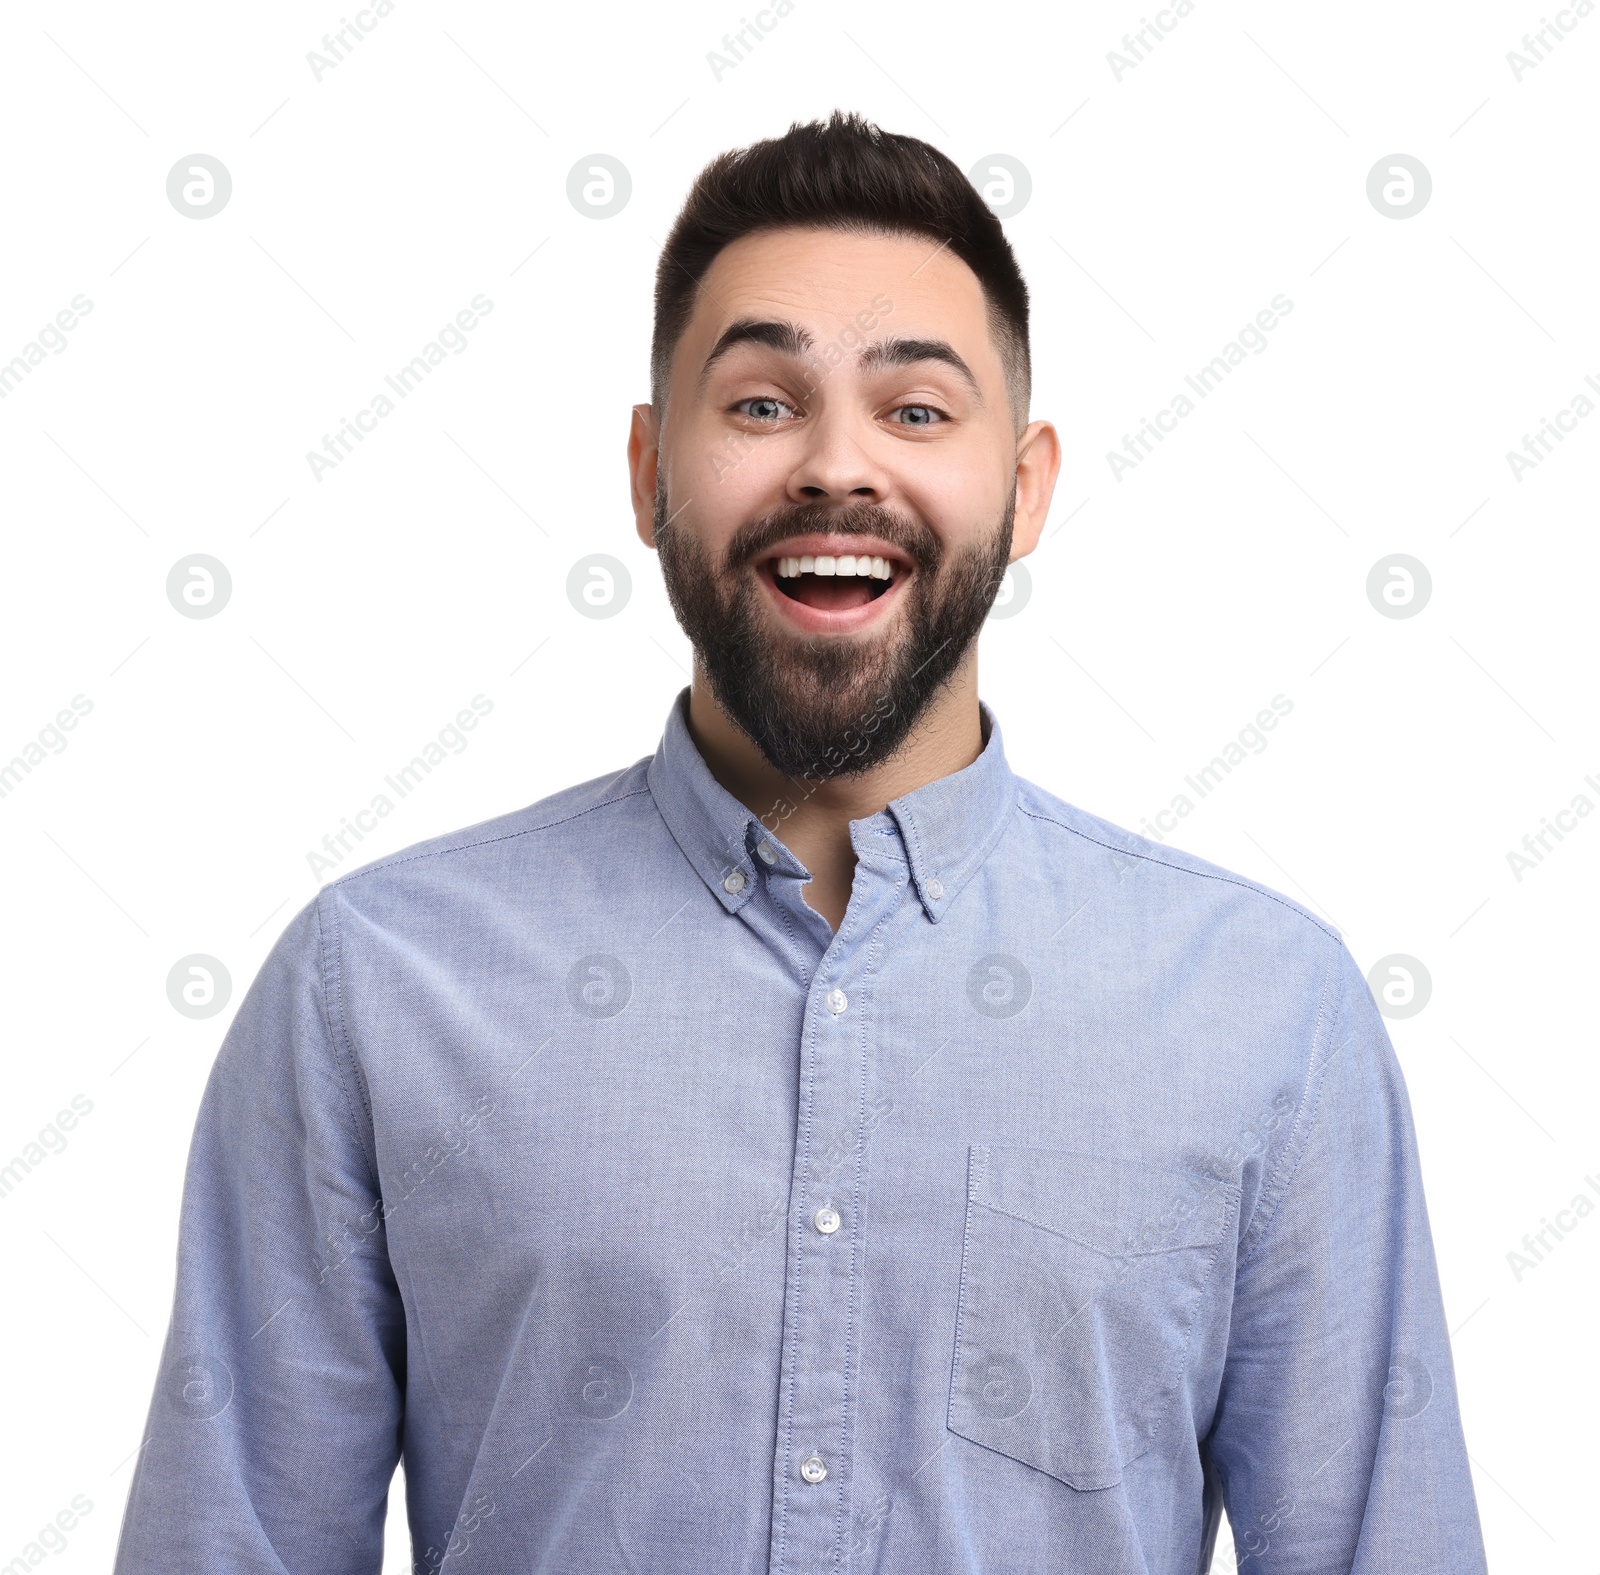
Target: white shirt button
826,1220
812,1468
768,853
935,889
836,1001
734,884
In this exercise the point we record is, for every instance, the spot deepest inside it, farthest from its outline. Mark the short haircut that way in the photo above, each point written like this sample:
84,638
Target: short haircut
843,174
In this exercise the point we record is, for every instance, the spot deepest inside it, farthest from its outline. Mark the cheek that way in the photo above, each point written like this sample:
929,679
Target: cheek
729,483
706,511
717,504
705,456
958,501
972,470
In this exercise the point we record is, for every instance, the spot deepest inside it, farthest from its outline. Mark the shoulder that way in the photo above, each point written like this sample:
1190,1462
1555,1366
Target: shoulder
1161,883
541,834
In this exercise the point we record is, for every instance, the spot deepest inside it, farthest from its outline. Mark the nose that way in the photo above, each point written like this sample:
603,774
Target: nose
837,466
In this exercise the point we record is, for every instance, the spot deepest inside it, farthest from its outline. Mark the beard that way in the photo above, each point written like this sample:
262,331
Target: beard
818,707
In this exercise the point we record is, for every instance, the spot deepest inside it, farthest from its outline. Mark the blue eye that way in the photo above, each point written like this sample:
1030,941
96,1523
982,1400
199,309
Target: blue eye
764,407
918,415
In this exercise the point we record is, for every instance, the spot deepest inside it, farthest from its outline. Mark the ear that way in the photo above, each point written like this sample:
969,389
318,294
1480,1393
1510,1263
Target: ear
1038,465
644,456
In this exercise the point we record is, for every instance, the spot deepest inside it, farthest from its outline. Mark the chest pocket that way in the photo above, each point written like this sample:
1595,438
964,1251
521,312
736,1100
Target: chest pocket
1082,1278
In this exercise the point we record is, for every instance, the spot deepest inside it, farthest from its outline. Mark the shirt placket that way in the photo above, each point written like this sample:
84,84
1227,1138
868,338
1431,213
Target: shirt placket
812,1462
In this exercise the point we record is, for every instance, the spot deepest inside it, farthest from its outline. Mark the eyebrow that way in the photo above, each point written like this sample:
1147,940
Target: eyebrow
792,340
786,338
908,352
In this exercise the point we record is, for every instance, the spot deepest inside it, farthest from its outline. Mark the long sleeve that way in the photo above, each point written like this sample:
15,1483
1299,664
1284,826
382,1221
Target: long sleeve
274,1429
1338,1438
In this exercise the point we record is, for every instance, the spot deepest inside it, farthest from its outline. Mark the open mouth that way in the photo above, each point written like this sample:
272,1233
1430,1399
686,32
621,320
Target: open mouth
834,583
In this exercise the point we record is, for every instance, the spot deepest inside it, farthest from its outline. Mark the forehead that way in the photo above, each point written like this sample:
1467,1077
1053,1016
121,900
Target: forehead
827,278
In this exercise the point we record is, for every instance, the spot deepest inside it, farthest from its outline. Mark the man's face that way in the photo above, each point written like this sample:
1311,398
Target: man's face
837,401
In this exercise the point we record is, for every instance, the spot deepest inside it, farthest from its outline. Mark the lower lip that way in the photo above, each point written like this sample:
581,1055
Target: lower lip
830,620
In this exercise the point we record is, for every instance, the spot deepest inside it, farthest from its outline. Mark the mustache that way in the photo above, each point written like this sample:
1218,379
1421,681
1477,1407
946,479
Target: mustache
757,538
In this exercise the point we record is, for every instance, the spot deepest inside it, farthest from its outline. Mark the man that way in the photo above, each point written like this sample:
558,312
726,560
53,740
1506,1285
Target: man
812,1147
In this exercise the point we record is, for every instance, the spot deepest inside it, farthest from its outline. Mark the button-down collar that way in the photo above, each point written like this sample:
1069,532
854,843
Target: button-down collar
947,827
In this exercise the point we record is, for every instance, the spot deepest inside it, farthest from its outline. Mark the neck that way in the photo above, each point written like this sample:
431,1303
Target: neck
813,818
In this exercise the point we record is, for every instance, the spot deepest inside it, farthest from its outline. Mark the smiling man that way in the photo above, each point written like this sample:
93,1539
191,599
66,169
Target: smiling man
812,1147
837,468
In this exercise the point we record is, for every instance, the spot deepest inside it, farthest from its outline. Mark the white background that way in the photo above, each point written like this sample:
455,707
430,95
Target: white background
1168,606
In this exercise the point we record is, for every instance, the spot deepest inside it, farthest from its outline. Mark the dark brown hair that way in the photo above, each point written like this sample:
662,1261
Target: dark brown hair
845,174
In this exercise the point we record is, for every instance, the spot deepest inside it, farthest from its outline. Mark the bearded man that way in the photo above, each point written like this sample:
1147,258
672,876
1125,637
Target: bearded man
812,1147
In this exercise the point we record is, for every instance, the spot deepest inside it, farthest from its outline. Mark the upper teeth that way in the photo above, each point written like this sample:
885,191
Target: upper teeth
872,568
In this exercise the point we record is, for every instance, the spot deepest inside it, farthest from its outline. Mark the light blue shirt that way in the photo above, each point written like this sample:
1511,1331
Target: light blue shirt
1065,1194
